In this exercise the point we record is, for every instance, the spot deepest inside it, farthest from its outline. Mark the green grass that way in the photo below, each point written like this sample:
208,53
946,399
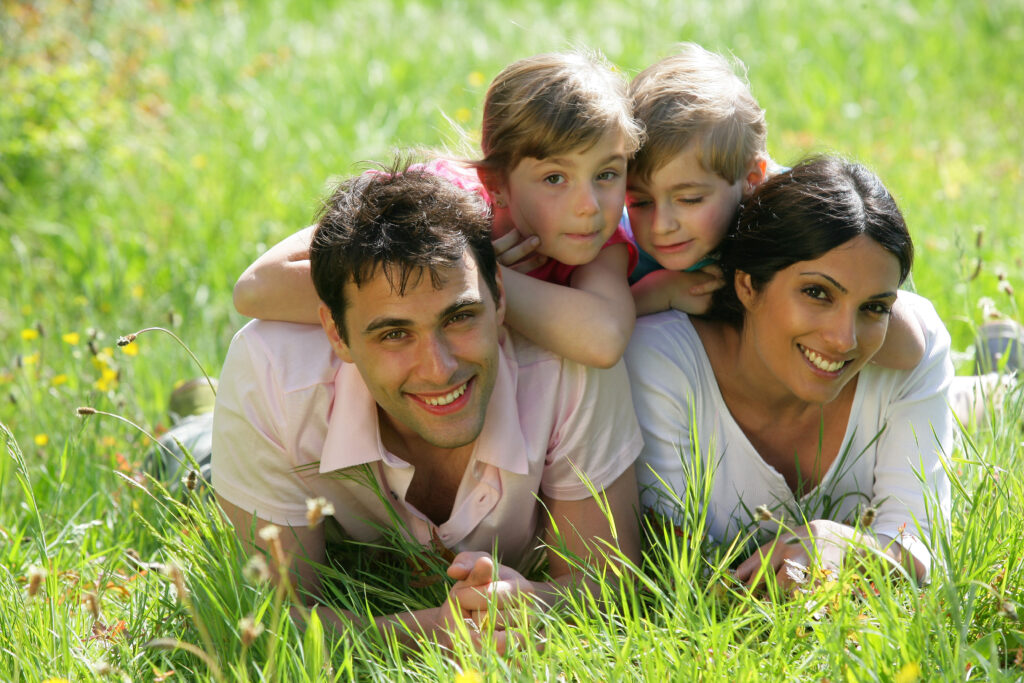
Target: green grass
150,151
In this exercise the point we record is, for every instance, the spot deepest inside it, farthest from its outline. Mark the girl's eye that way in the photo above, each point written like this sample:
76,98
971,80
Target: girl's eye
554,179
638,203
691,200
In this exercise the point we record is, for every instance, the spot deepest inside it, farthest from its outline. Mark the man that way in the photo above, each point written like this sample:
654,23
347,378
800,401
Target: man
415,406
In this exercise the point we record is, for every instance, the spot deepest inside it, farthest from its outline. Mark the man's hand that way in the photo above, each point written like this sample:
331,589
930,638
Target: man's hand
517,253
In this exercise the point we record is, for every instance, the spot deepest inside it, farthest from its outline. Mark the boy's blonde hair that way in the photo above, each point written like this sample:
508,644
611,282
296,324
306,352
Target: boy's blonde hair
552,104
696,95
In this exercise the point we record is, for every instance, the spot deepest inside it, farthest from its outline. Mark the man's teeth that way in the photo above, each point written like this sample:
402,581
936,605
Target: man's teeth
821,363
447,398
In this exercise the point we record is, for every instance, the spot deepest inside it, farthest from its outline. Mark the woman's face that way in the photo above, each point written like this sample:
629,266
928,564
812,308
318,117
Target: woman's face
816,323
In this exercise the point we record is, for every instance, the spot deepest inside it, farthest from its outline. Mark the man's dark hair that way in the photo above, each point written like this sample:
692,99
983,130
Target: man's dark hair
403,221
799,215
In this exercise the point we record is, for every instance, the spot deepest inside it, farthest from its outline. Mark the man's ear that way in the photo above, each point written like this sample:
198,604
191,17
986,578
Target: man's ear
745,290
757,173
337,343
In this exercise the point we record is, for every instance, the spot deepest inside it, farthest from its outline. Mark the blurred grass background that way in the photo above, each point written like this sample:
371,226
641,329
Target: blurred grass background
150,150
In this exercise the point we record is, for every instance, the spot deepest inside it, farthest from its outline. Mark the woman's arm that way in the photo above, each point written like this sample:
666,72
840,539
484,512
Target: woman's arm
277,286
589,322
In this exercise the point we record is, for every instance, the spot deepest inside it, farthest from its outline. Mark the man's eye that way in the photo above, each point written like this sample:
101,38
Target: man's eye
392,335
460,317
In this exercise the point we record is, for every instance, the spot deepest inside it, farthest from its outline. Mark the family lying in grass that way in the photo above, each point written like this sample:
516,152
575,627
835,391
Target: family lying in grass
466,381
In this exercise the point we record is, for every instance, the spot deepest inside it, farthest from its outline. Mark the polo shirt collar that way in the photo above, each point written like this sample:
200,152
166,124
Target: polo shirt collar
353,428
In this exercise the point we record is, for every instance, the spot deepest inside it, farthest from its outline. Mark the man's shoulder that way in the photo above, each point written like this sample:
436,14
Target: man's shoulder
295,356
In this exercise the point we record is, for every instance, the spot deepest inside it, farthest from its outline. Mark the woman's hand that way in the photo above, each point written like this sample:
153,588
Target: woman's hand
820,545
518,253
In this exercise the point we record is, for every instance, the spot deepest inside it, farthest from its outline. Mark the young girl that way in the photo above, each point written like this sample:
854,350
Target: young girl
557,132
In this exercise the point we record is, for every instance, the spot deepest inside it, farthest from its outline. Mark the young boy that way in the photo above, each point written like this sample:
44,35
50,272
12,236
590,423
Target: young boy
704,154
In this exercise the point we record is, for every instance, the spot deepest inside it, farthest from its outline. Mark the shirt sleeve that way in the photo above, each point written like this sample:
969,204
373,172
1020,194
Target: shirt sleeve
251,467
911,486
663,396
596,437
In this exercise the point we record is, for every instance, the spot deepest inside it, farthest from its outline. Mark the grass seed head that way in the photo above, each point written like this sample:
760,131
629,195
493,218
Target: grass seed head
762,513
1009,610
867,518
256,570
92,604
126,340
250,630
36,575
190,480
84,411
317,509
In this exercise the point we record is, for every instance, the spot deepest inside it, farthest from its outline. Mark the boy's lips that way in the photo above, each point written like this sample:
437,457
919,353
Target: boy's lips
673,248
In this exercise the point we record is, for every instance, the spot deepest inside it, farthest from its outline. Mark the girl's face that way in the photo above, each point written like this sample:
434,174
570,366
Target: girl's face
816,323
572,202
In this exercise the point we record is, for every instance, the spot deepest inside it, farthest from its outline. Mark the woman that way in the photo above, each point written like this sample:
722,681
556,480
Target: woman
773,390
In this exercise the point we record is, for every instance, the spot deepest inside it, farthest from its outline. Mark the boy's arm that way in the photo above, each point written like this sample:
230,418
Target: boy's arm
589,322
277,286
904,344
680,290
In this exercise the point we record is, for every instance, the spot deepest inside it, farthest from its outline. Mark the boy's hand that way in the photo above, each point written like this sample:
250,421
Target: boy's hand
707,286
691,292
517,253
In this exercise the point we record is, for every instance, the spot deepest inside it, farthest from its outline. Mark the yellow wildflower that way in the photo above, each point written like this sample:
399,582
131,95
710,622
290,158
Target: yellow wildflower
469,676
137,292
59,380
462,115
42,439
31,359
30,334
475,79
26,310
71,338
56,680
107,380
909,673
130,349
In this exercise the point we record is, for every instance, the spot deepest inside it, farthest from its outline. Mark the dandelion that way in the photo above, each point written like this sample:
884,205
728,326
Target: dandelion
56,680
463,115
475,79
58,380
31,359
909,673
35,579
251,630
317,509
41,439
256,570
762,513
29,334
867,518
469,676
130,350
137,292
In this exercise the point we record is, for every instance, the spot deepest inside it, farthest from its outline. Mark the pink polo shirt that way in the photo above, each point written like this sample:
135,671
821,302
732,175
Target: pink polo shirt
294,422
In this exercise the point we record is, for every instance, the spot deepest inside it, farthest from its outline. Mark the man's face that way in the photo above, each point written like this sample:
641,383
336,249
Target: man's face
429,357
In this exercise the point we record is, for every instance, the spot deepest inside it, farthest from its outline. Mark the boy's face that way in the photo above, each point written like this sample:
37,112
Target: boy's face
572,201
683,212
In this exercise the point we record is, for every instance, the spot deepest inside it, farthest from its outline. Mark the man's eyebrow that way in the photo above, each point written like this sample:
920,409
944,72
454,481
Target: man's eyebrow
381,323
835,283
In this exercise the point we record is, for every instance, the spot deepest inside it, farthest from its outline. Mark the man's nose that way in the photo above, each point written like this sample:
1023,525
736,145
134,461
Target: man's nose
438,363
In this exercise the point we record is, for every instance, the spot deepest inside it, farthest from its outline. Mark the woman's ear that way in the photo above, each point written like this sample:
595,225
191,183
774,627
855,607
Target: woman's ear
745,290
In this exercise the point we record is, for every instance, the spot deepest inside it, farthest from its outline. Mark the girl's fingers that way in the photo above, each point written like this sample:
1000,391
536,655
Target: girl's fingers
513,254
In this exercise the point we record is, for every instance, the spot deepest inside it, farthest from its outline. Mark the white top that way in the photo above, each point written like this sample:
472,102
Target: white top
294,422
900,426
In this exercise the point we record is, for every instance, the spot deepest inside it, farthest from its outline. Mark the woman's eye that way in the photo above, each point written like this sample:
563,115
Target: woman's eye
814,292
878,308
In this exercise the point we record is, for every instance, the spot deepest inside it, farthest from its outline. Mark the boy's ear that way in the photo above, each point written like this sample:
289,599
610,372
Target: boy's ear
341,349
757,173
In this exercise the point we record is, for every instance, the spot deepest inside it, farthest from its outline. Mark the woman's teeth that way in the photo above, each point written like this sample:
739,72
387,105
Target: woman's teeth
821,363
447,398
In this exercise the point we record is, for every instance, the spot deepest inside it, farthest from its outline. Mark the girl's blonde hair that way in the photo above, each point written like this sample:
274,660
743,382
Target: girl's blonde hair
552,104
695,95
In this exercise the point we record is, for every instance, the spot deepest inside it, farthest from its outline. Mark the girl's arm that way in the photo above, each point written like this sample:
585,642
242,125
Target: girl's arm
589,322
904,343
680,290
277,286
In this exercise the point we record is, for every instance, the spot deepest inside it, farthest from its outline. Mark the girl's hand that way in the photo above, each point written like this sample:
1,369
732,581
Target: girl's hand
517,253
716,280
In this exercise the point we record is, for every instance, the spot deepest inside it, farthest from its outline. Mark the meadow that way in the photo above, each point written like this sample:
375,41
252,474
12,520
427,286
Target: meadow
150,150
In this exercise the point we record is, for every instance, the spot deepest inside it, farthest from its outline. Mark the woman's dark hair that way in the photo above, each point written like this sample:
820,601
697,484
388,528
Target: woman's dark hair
800,215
